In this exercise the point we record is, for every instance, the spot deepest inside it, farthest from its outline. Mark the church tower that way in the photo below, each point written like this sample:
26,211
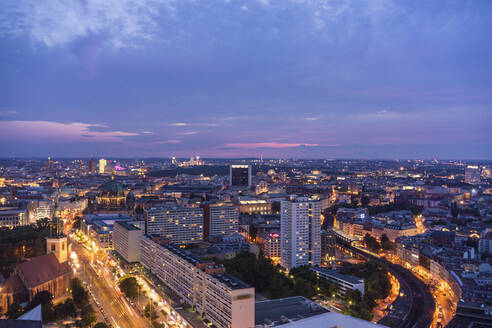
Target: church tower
56,242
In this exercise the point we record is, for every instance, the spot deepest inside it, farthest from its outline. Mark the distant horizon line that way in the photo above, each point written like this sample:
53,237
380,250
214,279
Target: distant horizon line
244,158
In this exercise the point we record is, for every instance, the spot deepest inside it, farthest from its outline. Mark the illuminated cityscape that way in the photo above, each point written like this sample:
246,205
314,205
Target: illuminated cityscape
246,164
199,257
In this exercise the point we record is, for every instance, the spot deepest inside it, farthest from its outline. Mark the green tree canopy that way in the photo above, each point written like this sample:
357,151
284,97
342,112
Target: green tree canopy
129,287
88,315
79,294
372,243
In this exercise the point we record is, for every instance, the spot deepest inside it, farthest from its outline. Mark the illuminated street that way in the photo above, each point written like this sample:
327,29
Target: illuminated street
119,312
380,311
445,301
100,268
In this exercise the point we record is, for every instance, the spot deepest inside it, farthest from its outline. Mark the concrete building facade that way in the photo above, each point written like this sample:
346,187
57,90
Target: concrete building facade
126,241
300,238
217,296
181,225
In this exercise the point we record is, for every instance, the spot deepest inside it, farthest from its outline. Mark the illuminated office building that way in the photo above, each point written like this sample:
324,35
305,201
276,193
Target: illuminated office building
180,225
472,174
102,165
240,175
220,220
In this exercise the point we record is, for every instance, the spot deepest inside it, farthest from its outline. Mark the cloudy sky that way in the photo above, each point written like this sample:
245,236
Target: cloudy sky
230,78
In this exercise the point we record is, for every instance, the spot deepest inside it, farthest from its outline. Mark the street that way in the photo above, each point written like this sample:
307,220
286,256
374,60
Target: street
118,312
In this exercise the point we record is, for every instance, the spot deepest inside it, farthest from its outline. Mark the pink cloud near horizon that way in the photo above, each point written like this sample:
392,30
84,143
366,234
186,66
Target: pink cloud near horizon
60,132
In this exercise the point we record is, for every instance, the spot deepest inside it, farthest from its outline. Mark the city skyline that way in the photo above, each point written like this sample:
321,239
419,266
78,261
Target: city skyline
224,79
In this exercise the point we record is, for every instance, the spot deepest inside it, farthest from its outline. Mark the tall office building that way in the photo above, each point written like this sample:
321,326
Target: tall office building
102,165
300,238
472,174
240,175
49,164
92,165
181,225
220,220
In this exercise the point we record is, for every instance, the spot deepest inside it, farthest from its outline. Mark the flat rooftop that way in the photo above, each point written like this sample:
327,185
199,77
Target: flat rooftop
227,279
332,319
345,277
106,217
127,225
293,308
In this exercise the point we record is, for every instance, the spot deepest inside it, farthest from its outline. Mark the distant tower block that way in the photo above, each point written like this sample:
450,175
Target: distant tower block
240,175
56,242
102,165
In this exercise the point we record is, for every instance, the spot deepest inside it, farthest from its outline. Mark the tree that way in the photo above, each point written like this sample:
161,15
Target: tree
150,311
19,243
101,325
352,296
389,246
45,299
88,315
358,311
371,243
79,294
333,290
276,283
42,297
129,287
65,309
365,201
377,286
328,288
386,244
14,311
304,287
260,273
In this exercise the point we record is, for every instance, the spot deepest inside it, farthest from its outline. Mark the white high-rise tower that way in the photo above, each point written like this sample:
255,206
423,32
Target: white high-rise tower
300,235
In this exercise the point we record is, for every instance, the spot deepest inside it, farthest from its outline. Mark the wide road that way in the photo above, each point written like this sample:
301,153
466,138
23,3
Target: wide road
119,312
446,306
421,311
422,307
